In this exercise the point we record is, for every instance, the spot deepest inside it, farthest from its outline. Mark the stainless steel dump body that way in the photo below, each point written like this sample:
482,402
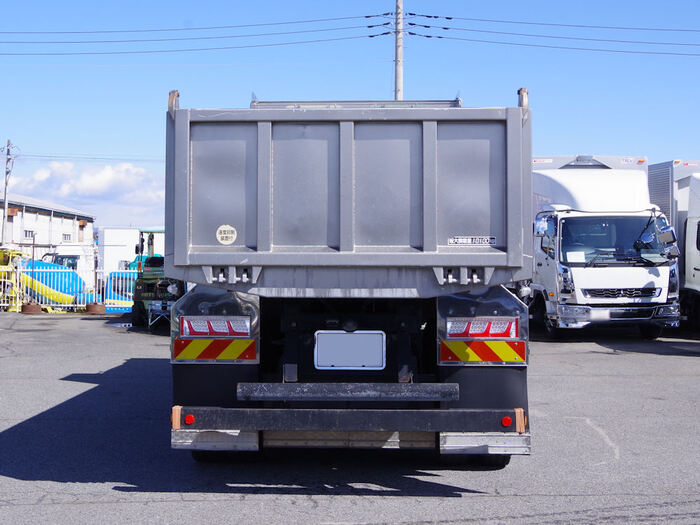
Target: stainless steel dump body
348,199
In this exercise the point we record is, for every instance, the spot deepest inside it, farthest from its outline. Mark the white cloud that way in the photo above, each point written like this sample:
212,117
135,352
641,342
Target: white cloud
108,180
117,195
41,175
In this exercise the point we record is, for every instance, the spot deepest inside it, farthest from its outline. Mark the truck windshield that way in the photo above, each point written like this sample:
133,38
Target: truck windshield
69,261
593,241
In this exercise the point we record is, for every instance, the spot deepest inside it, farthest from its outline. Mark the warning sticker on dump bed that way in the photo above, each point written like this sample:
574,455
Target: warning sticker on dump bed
471,240
226,234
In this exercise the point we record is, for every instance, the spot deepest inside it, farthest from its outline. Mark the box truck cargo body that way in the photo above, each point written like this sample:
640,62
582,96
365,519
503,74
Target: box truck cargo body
675,187
350,258
603,253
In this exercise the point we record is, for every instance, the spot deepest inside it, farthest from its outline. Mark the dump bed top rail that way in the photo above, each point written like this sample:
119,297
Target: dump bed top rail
348,199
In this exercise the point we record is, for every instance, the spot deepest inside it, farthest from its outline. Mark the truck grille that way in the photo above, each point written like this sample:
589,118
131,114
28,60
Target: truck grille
611,293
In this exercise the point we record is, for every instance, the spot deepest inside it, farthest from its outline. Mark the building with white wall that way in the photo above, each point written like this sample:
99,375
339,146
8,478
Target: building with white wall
42,226
116,246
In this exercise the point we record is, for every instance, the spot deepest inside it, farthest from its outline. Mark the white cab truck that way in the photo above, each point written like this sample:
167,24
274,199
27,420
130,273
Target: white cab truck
603,253
350,259
78,257
675,187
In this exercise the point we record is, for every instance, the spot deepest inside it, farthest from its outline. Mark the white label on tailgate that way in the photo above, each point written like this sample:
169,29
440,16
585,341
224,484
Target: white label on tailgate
471,240
226,234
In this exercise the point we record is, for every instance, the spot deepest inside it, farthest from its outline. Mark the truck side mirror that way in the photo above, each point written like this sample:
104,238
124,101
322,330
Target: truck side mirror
666,235
541,227
671,252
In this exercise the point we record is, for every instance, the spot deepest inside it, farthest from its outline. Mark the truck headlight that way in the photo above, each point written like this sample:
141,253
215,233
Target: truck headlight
565,278
576,313
673,281
668,310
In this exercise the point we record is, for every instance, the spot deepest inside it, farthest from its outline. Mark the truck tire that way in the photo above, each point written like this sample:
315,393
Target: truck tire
138,314
650,331
477,461
209,456
539,314
224,456
493,461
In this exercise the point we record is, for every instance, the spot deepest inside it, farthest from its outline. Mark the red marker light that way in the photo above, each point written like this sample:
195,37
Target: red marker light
189,419
506,421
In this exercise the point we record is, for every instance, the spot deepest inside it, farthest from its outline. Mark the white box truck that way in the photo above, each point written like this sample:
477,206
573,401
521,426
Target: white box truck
675,187
603,253
350,260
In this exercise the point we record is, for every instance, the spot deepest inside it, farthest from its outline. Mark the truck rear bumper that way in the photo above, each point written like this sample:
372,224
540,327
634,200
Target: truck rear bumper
453,431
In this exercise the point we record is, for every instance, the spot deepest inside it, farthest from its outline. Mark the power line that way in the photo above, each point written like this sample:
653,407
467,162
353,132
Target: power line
583,26
80,157
208,28
179,39
161,51
521,44
531,35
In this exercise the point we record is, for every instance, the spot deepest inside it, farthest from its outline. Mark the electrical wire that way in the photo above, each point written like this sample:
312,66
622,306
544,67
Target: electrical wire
582,26
531,35
81,157
189,28
180,39
522,44
161,51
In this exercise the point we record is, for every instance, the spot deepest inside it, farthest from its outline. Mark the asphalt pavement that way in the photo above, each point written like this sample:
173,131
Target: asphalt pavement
84,438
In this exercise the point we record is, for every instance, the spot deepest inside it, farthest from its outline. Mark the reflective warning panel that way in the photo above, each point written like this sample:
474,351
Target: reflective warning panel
462,352
216,349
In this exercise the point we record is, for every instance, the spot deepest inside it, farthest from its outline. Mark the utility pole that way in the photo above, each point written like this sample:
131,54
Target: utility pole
398,63
8,169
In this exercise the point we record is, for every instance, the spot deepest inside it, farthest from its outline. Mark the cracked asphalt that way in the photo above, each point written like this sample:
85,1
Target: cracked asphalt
84,438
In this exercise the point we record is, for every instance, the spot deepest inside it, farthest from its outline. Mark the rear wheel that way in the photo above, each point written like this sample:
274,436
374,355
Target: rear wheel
208,456
493,461
225,456
477,461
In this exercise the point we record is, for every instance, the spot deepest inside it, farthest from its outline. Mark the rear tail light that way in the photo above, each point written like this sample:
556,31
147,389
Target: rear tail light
482,327
220,326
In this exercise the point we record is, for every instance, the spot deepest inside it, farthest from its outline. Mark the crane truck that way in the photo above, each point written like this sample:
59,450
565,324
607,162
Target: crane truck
350,259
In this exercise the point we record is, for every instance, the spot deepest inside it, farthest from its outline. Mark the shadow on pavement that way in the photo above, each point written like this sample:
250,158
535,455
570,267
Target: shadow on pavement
626,339
118,432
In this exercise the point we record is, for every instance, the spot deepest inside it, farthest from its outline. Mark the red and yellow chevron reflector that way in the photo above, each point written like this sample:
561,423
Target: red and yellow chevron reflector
482,351
219,349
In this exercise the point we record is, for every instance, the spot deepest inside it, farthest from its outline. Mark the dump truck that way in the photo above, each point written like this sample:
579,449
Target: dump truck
675,187
604,254
350,261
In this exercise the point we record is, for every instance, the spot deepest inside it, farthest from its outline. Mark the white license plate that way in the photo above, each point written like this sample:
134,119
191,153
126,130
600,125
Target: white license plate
360,350
599,315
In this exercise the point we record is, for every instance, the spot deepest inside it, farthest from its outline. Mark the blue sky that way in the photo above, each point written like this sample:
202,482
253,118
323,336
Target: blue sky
90,129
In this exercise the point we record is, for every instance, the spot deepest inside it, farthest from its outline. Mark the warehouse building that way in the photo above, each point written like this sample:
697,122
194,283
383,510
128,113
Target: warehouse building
40,227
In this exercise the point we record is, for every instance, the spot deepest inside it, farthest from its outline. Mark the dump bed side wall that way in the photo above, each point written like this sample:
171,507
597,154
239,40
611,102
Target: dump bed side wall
415,202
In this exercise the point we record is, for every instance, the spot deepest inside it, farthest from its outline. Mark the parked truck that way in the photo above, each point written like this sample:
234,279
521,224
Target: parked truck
675,187
350,260
153,293
603,253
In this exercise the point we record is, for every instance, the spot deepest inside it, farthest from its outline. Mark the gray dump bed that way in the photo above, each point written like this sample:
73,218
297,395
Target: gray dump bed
348,199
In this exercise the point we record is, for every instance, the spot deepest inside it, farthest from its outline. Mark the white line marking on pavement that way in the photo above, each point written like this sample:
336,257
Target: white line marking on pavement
603,434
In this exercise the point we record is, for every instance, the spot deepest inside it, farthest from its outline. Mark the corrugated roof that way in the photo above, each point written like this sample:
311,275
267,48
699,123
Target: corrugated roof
13,199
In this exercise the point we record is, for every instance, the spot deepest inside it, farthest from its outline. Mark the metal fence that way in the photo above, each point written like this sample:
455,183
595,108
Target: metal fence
64,290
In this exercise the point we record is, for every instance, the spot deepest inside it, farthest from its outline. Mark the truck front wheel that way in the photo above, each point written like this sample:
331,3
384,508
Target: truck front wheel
650,331
138,314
